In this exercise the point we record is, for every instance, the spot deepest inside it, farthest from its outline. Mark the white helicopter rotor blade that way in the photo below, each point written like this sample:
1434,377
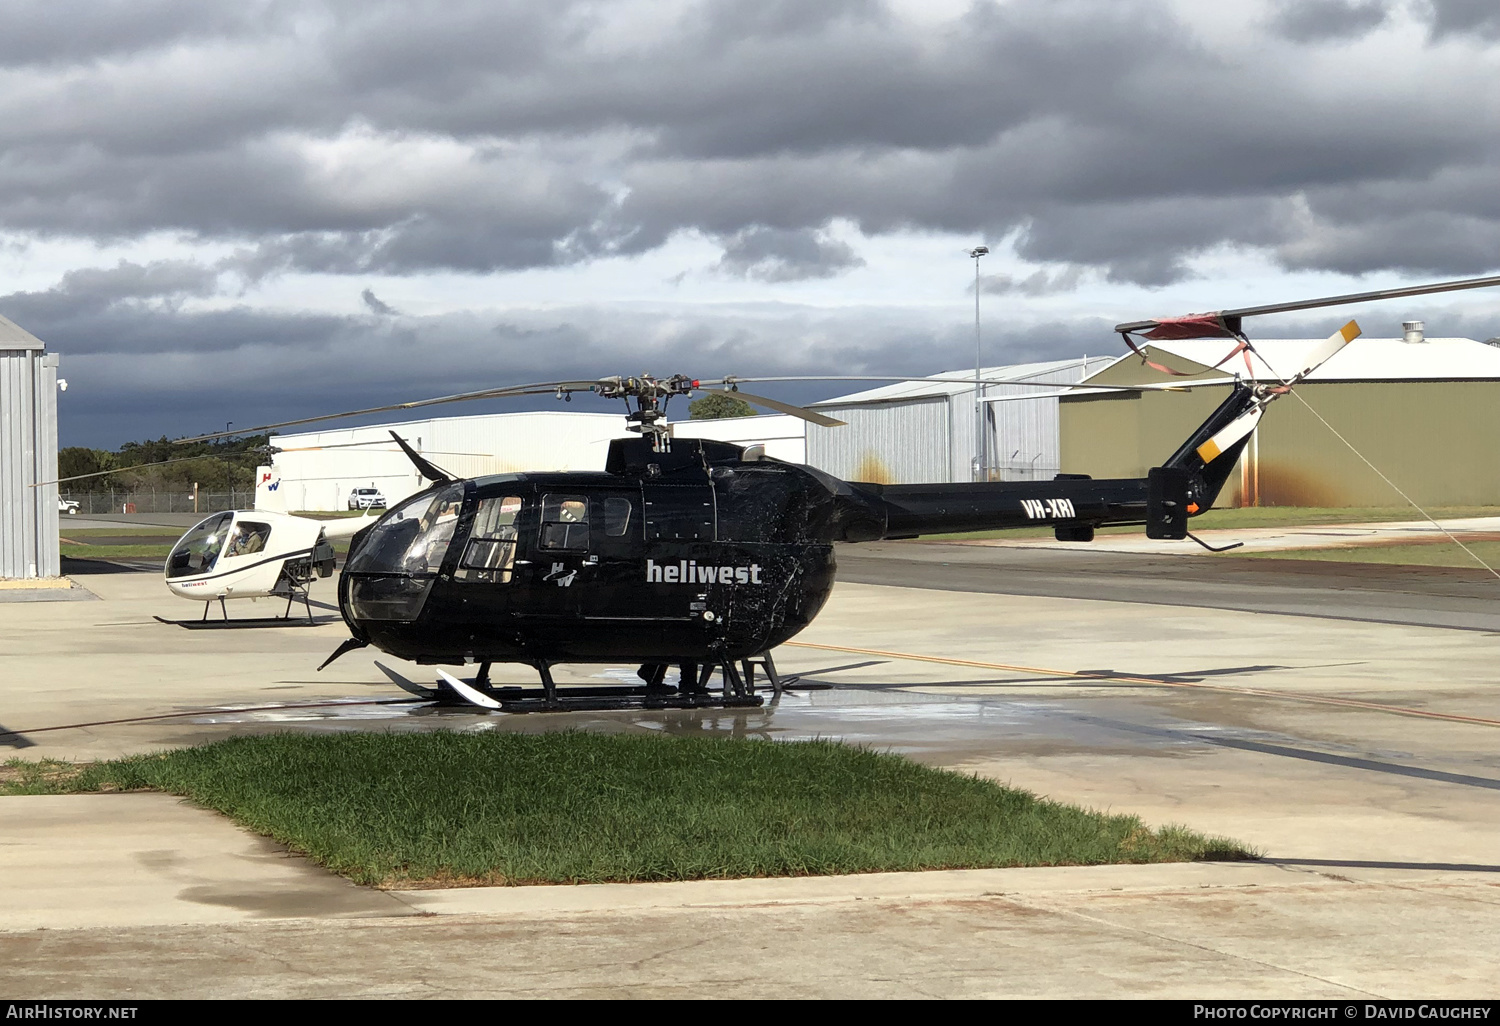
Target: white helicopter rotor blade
467,693
1326,349
1230,434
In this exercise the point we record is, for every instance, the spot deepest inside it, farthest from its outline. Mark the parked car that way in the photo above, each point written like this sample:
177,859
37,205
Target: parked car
366,498
68,506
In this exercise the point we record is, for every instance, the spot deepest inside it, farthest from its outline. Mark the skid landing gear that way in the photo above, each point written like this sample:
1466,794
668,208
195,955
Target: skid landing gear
284,620
737,690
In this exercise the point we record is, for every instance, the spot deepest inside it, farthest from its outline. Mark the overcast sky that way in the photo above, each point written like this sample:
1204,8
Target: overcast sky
250,211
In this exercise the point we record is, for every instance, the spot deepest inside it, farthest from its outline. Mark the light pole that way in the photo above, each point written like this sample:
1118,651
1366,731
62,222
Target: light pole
981,443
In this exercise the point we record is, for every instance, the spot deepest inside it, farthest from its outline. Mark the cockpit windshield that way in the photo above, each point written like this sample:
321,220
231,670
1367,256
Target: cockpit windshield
412,539
199,549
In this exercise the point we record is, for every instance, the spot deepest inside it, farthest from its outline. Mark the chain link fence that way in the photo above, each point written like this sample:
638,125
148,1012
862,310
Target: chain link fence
114,501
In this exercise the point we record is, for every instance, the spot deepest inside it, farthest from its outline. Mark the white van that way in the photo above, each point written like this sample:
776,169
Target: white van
366,498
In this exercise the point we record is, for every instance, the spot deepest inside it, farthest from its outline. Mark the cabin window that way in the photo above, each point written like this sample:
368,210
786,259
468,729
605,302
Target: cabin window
413,538
247,539
565,522
616,516
491,552
199,549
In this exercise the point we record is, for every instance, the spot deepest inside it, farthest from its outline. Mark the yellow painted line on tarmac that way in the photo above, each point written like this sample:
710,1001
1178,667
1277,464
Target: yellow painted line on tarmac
1350,703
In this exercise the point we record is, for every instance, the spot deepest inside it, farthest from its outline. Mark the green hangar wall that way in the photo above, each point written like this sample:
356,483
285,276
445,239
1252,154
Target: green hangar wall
1438,438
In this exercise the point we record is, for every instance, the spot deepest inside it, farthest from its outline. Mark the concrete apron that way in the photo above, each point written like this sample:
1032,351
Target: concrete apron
152,898
1383,820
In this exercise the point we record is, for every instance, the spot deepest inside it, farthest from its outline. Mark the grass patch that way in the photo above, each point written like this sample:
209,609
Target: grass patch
500,808
88,534
1263,516
114,551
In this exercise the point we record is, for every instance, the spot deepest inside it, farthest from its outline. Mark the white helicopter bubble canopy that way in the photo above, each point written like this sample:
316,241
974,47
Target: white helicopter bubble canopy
197,551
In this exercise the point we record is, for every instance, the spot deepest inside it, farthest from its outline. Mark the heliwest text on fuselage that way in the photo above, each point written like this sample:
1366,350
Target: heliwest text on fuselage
687,571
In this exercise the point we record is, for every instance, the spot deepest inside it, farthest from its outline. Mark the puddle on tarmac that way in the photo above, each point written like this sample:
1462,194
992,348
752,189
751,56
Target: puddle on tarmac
919,724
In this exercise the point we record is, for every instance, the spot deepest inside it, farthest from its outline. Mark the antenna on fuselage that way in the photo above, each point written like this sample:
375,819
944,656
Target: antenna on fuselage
431,471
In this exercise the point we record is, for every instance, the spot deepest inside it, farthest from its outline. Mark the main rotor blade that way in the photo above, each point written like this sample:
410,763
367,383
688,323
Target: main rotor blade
1313,304
736,379
539,388
810,416
137,466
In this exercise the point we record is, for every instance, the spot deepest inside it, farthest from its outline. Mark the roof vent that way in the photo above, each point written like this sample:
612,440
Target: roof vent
1413,331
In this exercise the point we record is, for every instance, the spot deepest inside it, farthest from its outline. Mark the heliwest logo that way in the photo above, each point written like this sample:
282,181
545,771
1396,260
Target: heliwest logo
687,571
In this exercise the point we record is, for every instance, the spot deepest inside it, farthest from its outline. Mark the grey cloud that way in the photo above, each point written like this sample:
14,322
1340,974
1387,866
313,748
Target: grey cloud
356,138
1465,17
52,31
1038,283
86,293
375,306
1321,20
139,371
778,254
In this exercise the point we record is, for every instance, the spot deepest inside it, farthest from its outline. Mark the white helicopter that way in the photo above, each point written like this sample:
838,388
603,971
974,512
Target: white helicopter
256,554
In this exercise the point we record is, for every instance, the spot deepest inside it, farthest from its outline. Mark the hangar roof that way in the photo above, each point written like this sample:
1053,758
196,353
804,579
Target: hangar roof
1364,359
13,336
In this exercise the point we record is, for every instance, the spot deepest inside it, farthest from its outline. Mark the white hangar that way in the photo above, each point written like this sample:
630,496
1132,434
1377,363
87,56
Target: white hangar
317,470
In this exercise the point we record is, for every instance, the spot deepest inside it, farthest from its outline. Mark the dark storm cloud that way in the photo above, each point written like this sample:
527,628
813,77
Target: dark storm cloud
58,31
374,305
138,371
386,137
779,254
85,294
1038,283
1463,17
1319,20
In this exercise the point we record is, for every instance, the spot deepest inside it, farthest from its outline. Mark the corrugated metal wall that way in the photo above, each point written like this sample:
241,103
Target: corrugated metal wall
28,454
931,438
1024,434
1435,439
907,442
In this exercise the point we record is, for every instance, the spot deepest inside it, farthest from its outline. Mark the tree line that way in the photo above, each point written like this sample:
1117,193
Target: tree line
217,466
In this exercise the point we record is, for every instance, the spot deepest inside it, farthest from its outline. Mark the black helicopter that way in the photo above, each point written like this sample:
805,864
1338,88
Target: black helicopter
706,555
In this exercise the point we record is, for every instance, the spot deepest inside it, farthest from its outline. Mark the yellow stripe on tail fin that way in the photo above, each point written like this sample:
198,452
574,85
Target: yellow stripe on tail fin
1327,348
1229,435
